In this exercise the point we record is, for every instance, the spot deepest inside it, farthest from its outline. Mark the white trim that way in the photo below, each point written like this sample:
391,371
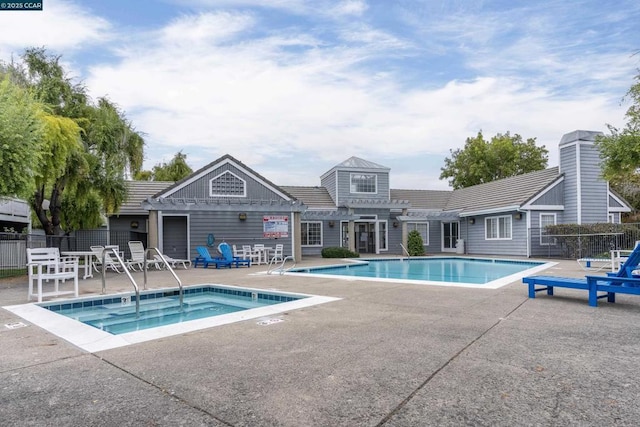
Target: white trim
497,218
617,199
321,234
244,186
161,217
218,165
529,203
579,186
545,208
555,221
490,211
428,239
375,176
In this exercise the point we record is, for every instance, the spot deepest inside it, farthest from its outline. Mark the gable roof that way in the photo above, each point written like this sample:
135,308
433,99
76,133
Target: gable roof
502,195
227,158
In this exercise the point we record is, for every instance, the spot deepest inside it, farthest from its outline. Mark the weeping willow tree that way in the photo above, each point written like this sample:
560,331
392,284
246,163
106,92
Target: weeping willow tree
85,149
20,133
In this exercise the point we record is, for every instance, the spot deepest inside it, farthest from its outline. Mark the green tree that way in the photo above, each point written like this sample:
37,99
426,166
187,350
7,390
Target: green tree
20,133
86,148
484,161
620,150
175,170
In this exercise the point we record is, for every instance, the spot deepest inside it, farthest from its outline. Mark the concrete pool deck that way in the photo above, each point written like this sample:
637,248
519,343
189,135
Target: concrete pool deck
387,354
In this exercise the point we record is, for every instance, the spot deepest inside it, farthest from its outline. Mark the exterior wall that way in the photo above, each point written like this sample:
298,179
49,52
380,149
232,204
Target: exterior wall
595,191
226,227
344,187
478,245
553,197
175,236
200,188
586,194
329,182
568,168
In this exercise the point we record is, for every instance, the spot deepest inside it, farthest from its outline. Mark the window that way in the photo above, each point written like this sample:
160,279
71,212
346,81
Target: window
311,233
363,183
227,184
423,229
546,219
498,228
382,235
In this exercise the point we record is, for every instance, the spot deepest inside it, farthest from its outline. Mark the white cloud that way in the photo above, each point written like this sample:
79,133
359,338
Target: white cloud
61,27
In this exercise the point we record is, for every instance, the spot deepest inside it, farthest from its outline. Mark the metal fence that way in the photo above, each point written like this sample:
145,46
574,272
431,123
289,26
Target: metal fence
583,242
13,246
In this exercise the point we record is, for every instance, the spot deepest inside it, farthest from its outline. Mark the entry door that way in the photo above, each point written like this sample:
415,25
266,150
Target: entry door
174,237
365,237
450,236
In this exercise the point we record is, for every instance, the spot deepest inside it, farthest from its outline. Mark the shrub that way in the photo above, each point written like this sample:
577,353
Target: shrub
339,253
415,245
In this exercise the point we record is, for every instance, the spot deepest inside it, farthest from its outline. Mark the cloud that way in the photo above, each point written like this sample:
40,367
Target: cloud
61,26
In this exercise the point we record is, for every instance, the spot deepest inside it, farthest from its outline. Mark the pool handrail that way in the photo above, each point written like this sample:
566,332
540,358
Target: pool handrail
405,250
166,263
126,270
281,268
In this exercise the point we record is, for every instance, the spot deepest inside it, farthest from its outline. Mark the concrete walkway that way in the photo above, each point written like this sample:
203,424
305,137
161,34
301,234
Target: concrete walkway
386,354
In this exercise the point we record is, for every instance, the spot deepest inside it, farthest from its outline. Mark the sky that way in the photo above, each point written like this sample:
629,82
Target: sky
292,88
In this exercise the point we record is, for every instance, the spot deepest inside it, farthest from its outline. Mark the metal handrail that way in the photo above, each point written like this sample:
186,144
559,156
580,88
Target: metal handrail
126,270
281,268
405,250
166,263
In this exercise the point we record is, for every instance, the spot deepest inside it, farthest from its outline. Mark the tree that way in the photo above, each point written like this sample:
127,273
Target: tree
175,170
20,133
415,245
481,161
620,151
86,148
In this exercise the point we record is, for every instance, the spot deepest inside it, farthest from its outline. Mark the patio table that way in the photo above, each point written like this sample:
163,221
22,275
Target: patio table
87,257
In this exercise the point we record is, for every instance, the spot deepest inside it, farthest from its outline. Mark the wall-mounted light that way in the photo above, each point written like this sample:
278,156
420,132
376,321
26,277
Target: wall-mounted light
472,221
395,224
134,224
332,223
242,216
518,215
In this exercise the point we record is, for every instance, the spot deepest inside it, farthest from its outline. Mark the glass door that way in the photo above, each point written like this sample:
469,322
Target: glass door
450,235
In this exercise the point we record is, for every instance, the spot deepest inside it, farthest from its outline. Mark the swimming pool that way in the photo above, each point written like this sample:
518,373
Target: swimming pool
485,273
109,321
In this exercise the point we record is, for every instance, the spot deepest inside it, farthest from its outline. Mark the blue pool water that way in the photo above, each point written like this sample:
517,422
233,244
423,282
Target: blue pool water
117,314
475,271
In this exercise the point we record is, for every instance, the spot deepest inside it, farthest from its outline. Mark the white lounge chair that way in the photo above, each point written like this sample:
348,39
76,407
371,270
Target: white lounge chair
110,264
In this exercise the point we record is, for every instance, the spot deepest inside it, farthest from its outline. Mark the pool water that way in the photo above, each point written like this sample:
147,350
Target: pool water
117,314
457,271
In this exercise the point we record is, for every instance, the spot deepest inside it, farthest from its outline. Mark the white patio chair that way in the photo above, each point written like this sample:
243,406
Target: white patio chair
110,264
250,254
278,253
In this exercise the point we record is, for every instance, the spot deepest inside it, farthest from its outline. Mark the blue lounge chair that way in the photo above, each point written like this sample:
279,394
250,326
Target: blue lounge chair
623,282
227,254
205,258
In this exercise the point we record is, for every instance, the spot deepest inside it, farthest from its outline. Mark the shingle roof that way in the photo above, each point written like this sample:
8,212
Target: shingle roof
139,191
357,162
313,197
503,193
423,199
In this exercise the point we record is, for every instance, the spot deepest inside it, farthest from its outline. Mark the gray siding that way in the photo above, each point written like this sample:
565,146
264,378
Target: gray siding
613,203
329,182
568,168
344,187
200,188
594,189
554,196
226,227
478,245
